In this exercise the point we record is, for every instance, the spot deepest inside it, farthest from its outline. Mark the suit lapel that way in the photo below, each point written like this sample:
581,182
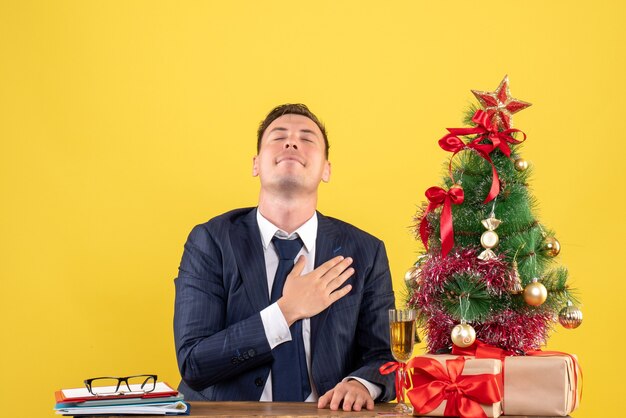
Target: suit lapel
246,242
327,246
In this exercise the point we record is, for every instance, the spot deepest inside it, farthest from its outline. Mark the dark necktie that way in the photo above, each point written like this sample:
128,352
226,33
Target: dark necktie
290,378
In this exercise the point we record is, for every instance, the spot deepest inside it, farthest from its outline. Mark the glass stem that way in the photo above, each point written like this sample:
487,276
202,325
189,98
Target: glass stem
400,386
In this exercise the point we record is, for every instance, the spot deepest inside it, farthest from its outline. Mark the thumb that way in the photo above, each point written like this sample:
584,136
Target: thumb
299,266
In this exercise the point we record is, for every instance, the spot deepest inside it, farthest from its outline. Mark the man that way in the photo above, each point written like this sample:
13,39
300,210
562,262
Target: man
251,325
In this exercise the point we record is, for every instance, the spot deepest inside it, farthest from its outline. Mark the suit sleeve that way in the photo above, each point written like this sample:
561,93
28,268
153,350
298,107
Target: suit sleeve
372,336
208,348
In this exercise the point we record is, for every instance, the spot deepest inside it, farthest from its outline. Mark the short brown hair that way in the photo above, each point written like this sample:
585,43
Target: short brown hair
289,109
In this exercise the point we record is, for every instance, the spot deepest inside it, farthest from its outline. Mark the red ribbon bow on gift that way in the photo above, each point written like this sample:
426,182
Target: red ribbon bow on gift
485,129
433,383
482,350
436,197
402,377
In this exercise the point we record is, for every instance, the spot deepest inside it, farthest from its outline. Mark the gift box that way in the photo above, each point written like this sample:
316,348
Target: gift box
448,385
541,384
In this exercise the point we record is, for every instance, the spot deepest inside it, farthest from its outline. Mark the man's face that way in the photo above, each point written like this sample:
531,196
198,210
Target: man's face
292,155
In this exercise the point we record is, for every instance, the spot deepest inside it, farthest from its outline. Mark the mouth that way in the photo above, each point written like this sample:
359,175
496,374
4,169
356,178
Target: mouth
289,158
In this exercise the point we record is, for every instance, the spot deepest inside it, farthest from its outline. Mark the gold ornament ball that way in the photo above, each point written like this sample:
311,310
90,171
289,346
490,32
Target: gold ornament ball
570,316
489,239
463,335
521,164
551,247
535,293
412,275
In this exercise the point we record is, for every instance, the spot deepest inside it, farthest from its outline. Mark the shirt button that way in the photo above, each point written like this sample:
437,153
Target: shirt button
258,381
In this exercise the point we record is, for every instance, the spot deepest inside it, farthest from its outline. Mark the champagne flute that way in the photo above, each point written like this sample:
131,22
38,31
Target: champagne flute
402,340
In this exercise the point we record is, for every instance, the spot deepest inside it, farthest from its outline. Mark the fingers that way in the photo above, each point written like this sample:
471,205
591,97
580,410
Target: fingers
336,399
348,397
338,294
331,398
337,276
349,400
337,269
334,283
355,402
333,263
323,401
330,270
306,295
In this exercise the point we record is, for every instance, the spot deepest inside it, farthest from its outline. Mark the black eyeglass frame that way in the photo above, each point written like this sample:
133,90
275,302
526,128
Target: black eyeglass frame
120,380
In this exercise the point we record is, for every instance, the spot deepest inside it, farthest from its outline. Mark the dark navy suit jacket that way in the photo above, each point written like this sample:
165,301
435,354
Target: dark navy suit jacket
223,353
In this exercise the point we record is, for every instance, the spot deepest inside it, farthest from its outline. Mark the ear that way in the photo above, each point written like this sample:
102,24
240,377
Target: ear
255,166
326,172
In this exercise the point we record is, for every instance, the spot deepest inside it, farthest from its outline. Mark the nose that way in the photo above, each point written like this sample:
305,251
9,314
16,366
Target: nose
291,143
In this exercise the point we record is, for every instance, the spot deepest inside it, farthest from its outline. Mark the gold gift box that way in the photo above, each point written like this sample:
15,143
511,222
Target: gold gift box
540,385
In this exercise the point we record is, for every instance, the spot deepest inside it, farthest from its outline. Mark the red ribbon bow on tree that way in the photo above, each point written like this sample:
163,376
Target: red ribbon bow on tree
402,377
454,144
433,383
485,129
436,197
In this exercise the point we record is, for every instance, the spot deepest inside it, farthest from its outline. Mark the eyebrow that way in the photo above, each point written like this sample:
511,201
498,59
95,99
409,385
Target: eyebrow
306,131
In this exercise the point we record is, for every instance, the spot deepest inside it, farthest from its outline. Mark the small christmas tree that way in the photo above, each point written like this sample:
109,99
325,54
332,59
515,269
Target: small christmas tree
487,271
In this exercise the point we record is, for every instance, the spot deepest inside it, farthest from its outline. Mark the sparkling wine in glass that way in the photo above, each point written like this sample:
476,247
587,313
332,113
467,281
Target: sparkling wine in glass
402,340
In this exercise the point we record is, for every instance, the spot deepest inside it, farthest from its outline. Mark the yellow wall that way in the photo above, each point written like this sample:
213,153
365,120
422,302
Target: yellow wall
125,123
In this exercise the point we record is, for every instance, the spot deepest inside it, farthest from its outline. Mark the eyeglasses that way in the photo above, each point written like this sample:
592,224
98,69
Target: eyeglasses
109,386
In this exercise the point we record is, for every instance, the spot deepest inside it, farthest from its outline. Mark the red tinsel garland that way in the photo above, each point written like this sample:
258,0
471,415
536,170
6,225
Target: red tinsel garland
508,329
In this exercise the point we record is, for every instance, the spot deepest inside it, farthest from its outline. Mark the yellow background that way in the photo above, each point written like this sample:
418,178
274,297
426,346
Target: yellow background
125,123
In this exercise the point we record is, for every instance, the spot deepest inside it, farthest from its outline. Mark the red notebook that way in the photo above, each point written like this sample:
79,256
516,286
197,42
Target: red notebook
161,390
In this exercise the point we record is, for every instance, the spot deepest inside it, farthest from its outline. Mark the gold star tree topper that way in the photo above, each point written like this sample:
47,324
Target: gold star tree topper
500,105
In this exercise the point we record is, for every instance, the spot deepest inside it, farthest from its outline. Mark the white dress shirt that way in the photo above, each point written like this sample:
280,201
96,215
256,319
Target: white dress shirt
274,322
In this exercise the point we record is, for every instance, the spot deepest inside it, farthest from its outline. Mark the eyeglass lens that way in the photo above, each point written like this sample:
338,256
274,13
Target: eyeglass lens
131,384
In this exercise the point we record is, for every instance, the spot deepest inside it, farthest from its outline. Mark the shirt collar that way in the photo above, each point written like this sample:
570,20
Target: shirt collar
307,232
